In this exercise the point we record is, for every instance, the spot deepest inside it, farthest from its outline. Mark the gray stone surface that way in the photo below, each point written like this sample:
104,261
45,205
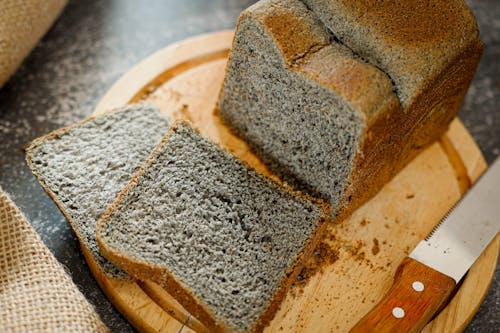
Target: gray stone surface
94,42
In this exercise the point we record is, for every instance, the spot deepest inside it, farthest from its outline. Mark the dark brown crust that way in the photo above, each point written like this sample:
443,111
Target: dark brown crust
281,21
294,271
425,28
411,130
366,89
105,284
166,279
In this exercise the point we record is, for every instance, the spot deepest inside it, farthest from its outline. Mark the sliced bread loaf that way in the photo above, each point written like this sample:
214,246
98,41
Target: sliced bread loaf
83,167
337,99
222,239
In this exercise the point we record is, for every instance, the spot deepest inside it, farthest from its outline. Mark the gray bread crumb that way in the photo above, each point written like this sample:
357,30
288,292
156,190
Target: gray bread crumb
224,232
85,166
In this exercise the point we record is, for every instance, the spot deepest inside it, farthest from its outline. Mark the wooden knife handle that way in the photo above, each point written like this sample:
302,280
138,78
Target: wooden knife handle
417,294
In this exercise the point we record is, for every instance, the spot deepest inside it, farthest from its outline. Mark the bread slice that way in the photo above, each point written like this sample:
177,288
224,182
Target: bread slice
83,167
337,99
222,239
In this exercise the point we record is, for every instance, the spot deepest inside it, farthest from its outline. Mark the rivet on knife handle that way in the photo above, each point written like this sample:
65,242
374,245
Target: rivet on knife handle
417,293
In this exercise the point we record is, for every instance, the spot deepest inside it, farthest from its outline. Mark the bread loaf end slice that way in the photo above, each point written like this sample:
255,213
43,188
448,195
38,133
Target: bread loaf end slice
83,167
222,239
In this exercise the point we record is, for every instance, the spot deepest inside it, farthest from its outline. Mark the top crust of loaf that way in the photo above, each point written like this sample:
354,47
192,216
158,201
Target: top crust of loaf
412,41
363,87
289,22
309,49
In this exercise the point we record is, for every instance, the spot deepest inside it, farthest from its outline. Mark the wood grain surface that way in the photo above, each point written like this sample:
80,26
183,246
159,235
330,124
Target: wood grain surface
362,254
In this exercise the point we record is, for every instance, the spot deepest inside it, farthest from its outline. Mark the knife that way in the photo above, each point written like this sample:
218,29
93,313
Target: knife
425,279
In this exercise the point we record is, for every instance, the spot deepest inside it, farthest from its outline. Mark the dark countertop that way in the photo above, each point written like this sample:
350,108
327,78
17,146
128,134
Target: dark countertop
94,42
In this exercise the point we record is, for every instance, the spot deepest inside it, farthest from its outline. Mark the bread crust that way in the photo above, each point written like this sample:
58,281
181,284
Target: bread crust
176,288
433,22
412,130
412,41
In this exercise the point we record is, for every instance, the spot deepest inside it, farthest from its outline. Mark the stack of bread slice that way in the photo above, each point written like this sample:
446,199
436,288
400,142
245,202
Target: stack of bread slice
221,238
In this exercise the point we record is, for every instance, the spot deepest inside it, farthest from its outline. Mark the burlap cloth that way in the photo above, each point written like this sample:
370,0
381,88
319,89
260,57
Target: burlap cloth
22,24
36,294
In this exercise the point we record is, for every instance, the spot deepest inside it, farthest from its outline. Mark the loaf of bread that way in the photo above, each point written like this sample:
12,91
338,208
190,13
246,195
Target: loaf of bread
219,237
84,167
336,96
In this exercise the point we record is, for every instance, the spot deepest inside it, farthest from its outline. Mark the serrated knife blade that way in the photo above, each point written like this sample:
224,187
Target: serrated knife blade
426,278
462,235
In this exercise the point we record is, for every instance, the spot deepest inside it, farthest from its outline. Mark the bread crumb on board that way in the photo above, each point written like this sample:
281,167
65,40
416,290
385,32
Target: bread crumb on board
375,247
324,255
331,248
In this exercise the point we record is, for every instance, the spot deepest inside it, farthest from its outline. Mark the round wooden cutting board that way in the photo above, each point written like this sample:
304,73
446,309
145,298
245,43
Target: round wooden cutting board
183,80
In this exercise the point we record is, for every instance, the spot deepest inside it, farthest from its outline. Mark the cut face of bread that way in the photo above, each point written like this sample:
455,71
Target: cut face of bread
222,239
327,97
84,167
